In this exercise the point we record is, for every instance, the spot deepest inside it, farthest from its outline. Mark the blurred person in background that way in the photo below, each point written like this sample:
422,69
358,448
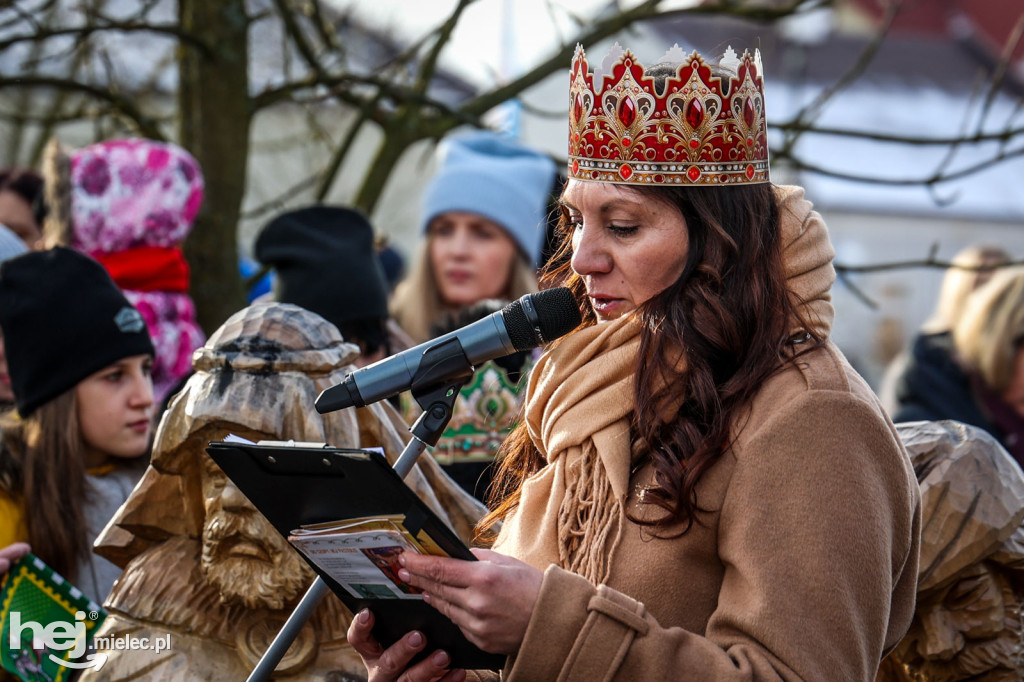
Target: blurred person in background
484,218
989,342
130,204
10,246
324,260
925,366
22,207
73,449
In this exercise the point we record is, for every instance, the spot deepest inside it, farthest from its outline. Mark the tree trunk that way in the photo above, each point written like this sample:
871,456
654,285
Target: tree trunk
213,98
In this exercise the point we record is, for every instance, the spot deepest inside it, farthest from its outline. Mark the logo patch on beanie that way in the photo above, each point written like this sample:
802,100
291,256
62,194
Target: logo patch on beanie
129,321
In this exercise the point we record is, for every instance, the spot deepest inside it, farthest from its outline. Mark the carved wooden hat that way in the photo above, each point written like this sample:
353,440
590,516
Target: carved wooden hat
972,496
256,377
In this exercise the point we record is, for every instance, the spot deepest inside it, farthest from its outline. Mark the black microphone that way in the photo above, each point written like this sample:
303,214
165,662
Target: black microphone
531,321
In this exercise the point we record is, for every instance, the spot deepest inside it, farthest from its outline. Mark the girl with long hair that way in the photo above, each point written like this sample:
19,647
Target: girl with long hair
701,487
79,359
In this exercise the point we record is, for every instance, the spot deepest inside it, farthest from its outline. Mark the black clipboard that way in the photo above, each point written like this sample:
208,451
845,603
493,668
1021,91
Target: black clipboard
294,486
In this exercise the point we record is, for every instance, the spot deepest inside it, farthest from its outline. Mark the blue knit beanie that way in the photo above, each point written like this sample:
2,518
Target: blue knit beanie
498,179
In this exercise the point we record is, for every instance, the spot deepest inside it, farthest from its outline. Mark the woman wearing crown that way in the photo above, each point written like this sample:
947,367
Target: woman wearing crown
701,486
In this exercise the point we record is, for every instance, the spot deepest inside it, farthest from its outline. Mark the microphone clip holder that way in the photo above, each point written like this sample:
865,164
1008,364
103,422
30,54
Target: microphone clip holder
442,372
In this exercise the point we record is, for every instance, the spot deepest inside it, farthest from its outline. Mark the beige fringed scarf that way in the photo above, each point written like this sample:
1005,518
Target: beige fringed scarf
579,400
580,397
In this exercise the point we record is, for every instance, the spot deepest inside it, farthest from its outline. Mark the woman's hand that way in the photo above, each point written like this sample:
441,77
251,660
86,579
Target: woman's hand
491,600
10,554
388,665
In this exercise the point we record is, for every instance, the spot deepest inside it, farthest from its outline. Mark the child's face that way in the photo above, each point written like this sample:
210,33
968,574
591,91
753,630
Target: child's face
115,409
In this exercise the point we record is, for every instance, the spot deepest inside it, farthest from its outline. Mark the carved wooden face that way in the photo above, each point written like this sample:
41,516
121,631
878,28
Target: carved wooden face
970,629
244,557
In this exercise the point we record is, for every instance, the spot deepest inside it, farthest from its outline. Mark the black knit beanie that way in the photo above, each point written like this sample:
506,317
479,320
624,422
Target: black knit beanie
326,262
63,319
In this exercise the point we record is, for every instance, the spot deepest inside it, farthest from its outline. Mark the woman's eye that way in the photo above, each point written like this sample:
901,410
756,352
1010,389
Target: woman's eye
113,376
623,230
485,234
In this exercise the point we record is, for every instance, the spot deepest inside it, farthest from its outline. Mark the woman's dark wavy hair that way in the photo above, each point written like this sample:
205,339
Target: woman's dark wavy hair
710,340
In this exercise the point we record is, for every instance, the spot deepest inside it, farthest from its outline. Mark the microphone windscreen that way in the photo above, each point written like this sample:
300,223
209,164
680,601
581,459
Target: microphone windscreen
558,312
557,315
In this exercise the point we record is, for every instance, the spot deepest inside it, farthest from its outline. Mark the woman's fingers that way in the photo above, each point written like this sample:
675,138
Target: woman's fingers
491,600
361,639
393,663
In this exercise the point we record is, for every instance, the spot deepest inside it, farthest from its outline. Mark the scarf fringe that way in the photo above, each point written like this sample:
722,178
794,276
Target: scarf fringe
589,519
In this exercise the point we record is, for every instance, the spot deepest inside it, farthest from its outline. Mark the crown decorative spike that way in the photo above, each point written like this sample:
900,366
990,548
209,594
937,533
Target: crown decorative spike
695,128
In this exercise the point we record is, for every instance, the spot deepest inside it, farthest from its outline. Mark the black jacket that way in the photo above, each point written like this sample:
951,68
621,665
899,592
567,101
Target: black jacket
933,386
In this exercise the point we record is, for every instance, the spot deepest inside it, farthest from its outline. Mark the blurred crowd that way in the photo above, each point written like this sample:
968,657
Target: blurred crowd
99,330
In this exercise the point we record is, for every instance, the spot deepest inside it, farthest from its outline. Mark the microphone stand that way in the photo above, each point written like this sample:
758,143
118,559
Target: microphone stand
442,372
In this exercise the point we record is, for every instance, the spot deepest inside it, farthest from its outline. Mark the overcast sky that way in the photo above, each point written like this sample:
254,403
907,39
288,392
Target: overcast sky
530,28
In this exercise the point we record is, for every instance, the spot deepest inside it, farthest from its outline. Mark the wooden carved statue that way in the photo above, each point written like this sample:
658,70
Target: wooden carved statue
969,623
200,563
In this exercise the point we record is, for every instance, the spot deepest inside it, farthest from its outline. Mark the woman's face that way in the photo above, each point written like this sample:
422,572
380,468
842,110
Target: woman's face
625,246
16,213
115,409
471,256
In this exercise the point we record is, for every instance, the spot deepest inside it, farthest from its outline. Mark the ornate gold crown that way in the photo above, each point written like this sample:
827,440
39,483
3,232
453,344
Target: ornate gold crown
695,129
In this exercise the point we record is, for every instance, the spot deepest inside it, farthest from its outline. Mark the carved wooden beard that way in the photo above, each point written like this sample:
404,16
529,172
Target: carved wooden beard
248,561
989,652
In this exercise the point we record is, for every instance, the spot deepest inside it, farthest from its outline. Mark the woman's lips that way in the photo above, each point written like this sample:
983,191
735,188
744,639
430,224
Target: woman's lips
140,426
458,276
604,305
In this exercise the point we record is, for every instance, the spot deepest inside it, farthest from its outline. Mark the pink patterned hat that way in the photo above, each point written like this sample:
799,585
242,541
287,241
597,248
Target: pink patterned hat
133,202
135,192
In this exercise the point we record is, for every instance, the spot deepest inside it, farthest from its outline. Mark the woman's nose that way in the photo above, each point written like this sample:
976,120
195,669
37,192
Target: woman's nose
589,256
459,244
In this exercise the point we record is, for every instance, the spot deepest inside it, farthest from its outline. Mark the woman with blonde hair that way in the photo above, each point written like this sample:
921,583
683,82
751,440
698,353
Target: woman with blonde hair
961,372
989,339
484,215
911,373
80,360
484,218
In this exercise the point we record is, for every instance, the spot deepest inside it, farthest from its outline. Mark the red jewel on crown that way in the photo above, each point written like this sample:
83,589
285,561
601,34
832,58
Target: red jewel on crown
700,126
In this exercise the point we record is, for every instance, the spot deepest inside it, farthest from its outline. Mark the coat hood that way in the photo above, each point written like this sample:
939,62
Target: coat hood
807,257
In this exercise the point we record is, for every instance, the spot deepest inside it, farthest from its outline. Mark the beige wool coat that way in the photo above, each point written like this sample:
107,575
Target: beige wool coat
804,566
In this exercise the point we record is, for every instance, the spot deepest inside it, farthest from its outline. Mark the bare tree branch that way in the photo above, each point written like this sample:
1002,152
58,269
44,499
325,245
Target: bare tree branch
302,44
928,262
42,34
603,28
334,165
811,112
843,272
146,126
933,179
1002,136
429,64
